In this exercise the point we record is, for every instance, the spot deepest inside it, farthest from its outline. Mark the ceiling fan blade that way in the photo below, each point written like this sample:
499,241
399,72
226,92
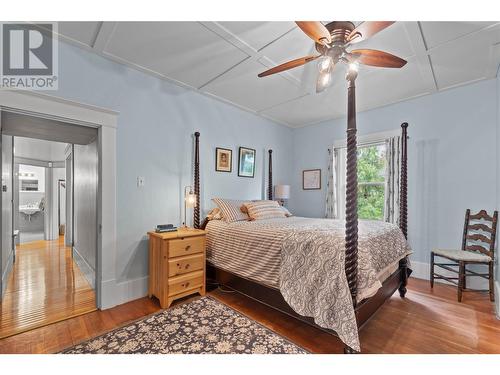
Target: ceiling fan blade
288,65
374,57
316,31
366,30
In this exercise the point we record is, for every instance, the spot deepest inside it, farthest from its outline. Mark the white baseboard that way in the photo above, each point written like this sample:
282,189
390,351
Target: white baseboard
421,270
114,293
6,273
87,270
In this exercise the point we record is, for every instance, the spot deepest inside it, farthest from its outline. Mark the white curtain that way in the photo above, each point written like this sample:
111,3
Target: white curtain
393,167
331,211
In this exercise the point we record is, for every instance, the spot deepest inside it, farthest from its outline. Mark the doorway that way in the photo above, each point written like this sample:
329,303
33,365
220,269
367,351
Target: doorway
52,273
29,202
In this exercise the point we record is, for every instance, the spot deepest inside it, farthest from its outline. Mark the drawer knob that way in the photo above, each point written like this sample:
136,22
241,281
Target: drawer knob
188,247
185,285
187,266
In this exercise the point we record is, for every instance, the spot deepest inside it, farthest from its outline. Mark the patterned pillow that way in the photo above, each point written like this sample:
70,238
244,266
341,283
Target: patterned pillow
230,209
259,210
215,214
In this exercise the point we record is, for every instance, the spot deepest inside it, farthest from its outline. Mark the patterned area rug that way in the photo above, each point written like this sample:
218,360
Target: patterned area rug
201,326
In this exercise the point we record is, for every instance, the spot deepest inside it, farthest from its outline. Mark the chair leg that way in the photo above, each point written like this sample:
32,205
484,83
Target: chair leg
461,280
432,270
465,278
490,279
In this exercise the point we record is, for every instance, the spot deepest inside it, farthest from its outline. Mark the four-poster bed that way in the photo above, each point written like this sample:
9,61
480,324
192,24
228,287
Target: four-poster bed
311,277
365,308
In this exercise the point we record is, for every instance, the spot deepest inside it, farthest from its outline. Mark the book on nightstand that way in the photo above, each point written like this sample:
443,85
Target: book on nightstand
162,228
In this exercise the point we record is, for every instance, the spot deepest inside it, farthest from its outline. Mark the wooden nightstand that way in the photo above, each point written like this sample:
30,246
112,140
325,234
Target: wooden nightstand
176,264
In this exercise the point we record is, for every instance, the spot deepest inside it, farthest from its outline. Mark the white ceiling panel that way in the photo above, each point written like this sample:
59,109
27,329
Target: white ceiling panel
291,46
436,33
258,34
466,59
312,108
389,86
394,40
242,86
183,51
80,32
222,59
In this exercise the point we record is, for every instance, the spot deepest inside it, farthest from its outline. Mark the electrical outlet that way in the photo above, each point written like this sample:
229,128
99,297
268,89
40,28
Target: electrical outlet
140,181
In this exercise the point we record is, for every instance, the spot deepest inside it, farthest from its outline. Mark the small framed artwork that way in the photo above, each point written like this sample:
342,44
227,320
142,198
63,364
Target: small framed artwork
311,179
223,160
246,162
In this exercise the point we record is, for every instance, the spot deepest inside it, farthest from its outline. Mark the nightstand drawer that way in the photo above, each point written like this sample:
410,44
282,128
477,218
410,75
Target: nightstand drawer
179,284
186,246
182,265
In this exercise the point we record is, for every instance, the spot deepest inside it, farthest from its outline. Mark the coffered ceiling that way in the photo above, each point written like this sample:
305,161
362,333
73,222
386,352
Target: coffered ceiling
222,59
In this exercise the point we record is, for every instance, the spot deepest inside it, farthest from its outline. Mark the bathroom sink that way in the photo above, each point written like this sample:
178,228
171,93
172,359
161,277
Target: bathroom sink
28,210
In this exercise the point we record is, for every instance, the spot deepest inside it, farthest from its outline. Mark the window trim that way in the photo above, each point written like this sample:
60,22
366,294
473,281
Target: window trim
368,139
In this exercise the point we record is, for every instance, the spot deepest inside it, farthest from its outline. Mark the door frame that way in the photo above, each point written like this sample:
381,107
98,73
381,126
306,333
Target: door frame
106,121
59,204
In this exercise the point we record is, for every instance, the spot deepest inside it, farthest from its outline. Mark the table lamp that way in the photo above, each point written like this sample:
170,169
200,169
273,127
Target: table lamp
189,201
282,193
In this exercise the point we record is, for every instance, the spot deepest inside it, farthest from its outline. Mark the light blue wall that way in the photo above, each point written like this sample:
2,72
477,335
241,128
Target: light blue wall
452,160
154,141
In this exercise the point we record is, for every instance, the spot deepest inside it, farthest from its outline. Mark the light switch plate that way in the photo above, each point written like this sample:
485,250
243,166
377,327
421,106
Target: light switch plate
140,181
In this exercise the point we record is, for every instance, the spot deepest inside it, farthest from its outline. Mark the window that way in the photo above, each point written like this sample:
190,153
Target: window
371,181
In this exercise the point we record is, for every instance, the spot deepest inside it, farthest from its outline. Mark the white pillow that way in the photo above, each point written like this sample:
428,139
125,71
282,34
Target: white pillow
260,210
286,211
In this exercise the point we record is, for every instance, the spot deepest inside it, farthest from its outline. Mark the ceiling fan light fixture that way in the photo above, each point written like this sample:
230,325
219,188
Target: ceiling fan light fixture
324,80
354,67
325,64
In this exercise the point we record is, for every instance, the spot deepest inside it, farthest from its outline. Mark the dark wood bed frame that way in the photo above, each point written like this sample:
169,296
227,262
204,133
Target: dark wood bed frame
366,308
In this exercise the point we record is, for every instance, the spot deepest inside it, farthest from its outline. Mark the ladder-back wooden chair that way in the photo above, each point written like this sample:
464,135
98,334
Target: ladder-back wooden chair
478,247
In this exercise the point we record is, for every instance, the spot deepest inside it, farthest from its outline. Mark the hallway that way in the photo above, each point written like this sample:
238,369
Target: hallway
44,287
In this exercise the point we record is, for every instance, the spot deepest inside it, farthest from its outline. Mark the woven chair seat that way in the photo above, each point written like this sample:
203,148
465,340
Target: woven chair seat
463,255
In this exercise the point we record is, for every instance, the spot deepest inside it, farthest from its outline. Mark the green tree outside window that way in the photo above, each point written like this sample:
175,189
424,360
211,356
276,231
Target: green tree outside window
371,182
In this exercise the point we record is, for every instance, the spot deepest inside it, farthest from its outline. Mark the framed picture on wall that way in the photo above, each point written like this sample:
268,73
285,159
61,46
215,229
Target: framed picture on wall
311,179
223,160
246,162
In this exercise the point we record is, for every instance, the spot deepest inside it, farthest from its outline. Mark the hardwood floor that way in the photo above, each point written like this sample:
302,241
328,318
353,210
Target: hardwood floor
427,321
44,287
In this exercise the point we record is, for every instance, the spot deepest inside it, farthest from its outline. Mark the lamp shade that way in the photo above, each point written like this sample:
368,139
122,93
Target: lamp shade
190,200
282,191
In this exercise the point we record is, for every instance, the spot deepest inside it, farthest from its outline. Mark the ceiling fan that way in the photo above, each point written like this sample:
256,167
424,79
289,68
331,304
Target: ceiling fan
331,41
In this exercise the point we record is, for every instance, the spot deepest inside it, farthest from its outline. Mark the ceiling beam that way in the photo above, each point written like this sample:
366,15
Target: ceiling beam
253,54
104,33
417,40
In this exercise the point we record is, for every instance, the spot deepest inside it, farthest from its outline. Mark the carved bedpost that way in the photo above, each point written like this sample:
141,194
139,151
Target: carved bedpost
196,211
351,205
270,182
403,205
